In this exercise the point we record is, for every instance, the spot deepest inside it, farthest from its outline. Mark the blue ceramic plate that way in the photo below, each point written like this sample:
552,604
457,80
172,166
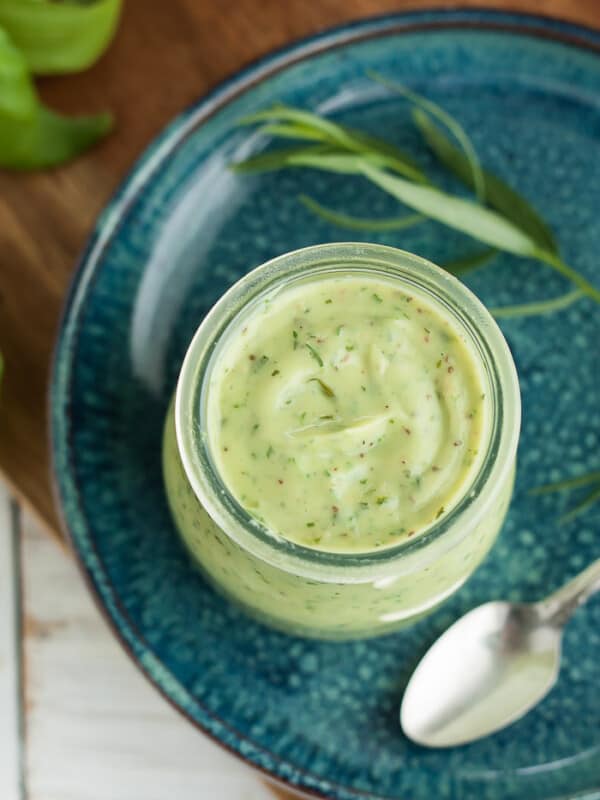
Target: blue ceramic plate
320,717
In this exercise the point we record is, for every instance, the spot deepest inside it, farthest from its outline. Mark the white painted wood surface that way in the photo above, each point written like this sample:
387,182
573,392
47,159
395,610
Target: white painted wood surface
94,728
10,745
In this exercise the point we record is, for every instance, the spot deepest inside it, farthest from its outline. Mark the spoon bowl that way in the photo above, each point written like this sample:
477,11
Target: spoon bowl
486,671
490,667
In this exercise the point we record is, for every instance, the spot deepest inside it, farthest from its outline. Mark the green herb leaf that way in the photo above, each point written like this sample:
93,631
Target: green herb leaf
455,212
59,37
327,390
32,136
359,223
464,264
301,124
498,194
537,308
18,99
446,119
277,159
48,139
314,354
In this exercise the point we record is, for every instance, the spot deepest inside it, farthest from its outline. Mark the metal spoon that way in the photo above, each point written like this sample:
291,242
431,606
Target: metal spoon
490,667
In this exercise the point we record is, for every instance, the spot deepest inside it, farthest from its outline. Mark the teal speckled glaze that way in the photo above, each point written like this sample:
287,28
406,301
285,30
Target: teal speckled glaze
323,717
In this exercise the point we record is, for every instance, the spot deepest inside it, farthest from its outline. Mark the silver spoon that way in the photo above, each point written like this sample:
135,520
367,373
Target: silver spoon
490,667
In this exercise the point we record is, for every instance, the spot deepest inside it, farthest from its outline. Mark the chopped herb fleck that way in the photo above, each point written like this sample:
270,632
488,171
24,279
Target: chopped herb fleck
381,500
440,512
327,390
376,297
270,451
314,354
310,524
329,300
274,373
261,362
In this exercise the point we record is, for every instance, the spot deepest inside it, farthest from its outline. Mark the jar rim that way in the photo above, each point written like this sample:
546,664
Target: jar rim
475,321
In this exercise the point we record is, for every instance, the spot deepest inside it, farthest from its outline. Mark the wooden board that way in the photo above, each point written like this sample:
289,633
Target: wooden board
165,55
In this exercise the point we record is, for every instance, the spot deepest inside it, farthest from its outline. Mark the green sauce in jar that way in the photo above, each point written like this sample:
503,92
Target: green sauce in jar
347,413
339,455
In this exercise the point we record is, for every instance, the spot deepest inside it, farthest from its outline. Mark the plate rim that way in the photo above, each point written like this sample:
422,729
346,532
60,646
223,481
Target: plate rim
63,481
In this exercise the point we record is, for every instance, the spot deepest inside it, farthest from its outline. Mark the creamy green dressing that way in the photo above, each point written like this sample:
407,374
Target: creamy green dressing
347,414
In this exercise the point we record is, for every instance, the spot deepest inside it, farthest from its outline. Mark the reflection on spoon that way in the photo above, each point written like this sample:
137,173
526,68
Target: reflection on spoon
490,667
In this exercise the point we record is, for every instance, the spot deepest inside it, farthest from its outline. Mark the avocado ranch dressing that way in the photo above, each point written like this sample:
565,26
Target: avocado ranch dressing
339,453
347,413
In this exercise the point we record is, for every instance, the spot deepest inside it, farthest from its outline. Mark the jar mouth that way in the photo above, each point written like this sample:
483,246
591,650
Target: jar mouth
470,316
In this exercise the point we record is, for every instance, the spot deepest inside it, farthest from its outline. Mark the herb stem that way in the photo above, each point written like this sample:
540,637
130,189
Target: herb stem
540,307
559,265
359,223
569,483
588,501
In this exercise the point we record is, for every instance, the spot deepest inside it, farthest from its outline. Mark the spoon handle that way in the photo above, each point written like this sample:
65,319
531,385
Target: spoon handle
556,609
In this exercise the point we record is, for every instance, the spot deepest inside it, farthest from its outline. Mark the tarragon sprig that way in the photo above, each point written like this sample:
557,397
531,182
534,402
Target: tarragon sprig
507,222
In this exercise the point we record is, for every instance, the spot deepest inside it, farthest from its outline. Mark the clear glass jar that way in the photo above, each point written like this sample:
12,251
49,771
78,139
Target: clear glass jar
302,590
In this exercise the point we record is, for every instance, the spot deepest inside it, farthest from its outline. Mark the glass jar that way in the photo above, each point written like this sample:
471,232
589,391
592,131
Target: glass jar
302,590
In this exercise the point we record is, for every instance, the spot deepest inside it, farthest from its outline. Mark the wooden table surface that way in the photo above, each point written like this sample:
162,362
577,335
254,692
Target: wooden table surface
165,55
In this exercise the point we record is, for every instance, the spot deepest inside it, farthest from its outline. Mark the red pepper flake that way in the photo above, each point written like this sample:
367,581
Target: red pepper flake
335,469
335,509
446,358
450,370
434,468
458,443
406,430
403,461
419,310
410,533
426,339
279,481
252,357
